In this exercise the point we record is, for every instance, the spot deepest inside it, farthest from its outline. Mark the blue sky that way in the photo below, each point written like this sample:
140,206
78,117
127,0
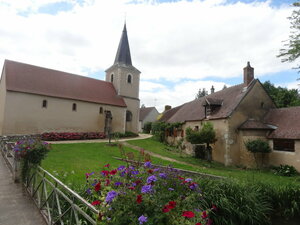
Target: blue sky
180,46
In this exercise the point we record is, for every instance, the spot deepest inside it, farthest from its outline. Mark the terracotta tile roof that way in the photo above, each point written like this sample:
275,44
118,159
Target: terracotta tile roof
287,121
252,124
194,110
27,78
144,111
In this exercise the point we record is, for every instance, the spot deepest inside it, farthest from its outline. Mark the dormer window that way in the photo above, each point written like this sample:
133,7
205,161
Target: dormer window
212,105
112,78
129,79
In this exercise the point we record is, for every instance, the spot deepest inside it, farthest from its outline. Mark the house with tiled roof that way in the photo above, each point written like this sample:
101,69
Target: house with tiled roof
147,114
240,113
35,100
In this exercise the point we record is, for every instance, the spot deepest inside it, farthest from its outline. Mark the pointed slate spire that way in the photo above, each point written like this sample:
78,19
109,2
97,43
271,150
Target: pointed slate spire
123,54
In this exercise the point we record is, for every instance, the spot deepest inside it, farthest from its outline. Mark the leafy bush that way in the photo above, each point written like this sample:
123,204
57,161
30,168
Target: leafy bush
285,170
31,153
147,195
147,127
258,146
158,131
124,135
61,136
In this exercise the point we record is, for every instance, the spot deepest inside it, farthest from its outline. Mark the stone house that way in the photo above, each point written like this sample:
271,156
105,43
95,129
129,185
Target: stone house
147,114
240,113
34,100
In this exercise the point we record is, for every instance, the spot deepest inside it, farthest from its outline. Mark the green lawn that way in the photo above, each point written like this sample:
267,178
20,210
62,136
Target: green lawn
213,168
70,162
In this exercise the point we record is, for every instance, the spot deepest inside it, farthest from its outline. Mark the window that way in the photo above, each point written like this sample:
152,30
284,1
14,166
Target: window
101,110
129,78
128,116
74,107
44,105
284,145
112,78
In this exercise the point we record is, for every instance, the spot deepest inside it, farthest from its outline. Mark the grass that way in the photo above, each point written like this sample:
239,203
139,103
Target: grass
70,162
214,168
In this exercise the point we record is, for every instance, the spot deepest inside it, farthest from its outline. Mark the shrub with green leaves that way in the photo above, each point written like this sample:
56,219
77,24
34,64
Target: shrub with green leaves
285,170
147,127
258,146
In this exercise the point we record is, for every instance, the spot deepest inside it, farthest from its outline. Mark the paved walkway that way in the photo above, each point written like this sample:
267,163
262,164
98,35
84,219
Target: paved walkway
141,136
16,207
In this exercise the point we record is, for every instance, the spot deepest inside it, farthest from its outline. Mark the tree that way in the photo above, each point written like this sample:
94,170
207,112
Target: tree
282,97
224,87
258,146
201,93
206,135
291,50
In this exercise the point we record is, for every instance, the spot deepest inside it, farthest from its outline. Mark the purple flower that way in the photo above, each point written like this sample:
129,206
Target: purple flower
188,179
151,179
146,189
122,174
121,168
110,196
147,164
171,189
193,186
135,172
118,183
143,219
88,191
163,175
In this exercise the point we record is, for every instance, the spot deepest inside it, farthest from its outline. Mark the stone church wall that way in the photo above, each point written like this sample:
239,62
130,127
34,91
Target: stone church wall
24,114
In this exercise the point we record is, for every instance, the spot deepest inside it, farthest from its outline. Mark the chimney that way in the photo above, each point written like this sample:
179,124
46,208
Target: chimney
167,107
248,74
212,90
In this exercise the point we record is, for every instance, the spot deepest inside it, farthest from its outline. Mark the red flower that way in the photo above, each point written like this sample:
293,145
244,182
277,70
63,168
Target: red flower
97,186
107,182
150,171
107,165
105,172
172,205
214,207
204,215
97,202
137,182
113,172
139,199
181,178
131,188
198,224
166,209
188,214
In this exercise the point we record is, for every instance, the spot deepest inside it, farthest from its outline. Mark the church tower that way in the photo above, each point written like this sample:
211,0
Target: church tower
126,80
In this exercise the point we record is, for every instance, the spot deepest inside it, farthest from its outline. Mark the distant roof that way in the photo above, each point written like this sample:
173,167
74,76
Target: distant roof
252,124
194,110
144,111
27,78
287,121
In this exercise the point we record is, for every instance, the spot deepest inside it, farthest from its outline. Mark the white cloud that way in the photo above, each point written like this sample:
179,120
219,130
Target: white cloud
169,41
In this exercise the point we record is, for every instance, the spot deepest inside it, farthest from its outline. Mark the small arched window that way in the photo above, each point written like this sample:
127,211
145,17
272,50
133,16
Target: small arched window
44,105
129,79
112,78
128,116
74,107
101,110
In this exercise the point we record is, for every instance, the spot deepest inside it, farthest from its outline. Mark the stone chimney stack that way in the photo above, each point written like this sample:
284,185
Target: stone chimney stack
212,90
248,74
167,107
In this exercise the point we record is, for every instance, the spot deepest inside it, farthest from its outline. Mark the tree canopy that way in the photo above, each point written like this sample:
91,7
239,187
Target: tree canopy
282,97
291,50
201,93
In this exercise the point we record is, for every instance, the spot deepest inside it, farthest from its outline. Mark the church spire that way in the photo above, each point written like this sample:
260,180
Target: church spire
123,54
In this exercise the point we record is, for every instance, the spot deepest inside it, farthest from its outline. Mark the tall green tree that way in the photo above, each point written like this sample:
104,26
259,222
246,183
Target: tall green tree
291,50
282,97
201,93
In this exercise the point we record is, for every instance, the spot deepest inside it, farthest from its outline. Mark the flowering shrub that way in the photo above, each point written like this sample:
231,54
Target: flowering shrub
54,136
143,194
31,153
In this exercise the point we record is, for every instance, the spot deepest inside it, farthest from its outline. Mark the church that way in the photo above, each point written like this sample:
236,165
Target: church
35,100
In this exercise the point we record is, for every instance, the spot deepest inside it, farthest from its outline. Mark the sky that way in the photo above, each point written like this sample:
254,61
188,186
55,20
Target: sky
180,46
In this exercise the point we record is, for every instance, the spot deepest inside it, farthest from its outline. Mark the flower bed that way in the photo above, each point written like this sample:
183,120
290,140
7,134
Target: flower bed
54,136
142,194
